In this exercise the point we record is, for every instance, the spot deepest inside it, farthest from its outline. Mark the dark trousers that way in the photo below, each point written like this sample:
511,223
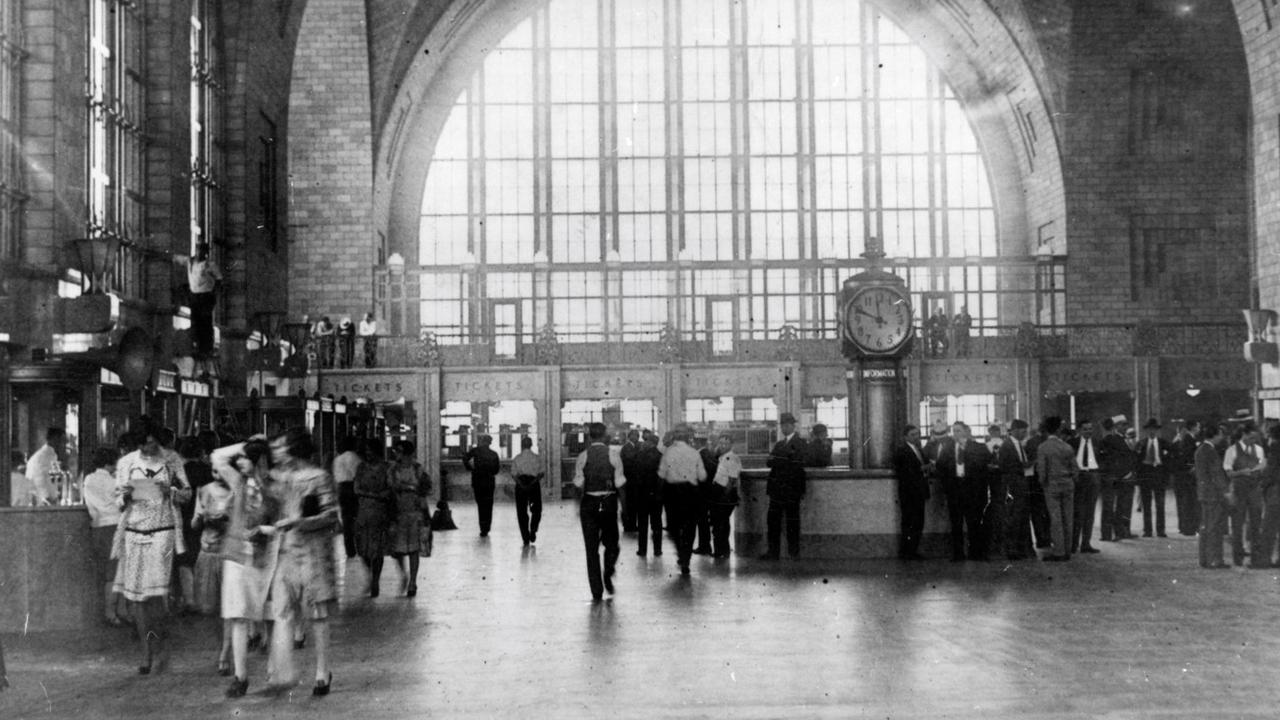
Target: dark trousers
348,507
528,509
721,512
627,496
964,509
994,519
1188,506
1108,485
599,517
648,517
1086,504
370,344
1247,512
202,322
1124,508
682,506
1038,508
702,518
1213,528
773,521
1017,536
484,503
1152,482
346,351
912,523
1270,536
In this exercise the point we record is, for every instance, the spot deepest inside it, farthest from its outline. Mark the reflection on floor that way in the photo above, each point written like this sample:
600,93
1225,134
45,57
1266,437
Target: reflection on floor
500,631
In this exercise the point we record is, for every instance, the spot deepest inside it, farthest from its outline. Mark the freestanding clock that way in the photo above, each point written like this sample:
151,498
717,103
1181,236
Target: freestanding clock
877,330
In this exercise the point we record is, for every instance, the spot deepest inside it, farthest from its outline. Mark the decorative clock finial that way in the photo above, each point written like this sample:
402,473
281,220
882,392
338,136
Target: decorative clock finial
875,249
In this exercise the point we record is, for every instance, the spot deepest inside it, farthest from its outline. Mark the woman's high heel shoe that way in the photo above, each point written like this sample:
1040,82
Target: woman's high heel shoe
322,688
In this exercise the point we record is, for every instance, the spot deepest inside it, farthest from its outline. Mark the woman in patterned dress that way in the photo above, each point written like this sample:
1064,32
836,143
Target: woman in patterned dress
375,509
411,486
149,485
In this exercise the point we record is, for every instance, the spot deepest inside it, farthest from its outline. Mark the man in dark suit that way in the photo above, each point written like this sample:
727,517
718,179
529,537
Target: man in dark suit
1213,488
963,470
1116,460
785,487
1014,465
1153,476
1088,484
1183,458
910,468
1037,506
628,493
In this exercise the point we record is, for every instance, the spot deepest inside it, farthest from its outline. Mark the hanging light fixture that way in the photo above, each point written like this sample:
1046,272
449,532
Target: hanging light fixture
97,259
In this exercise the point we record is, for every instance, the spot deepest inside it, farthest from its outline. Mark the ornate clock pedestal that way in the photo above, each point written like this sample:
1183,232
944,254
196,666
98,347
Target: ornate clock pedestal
877,413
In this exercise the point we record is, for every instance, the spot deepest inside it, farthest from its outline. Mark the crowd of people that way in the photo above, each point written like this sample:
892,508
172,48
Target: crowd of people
335,345
1017,492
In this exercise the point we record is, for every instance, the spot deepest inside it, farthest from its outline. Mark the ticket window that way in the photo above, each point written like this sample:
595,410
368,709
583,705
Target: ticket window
35,410
620,416
1076,407
506,421
834,413
752,421
976,411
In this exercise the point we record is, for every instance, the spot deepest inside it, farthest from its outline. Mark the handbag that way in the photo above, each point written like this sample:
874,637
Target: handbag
427,540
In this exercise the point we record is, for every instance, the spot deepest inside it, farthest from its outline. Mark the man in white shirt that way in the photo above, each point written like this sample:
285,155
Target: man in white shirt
598,474
19,489
44,461
682,469
368,332
345,467
1244,464
202,278
1088,483
725,496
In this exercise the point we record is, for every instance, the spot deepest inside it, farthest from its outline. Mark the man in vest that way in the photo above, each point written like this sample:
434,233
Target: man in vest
1244,464
598,474
1088,483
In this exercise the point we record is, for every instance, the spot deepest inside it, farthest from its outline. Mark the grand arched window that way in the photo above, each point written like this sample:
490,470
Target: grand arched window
617,165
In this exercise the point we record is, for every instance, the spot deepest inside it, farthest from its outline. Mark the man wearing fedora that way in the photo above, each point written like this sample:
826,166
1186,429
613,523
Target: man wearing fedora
1153,476
785,487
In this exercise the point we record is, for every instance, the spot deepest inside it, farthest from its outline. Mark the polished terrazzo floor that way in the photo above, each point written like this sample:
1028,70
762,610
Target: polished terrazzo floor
497,631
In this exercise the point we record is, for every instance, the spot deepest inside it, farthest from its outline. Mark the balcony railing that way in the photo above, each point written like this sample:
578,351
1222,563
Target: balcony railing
1070,341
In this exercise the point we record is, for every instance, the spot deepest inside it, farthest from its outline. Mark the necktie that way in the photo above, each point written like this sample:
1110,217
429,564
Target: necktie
959,459
1021,457
1155,452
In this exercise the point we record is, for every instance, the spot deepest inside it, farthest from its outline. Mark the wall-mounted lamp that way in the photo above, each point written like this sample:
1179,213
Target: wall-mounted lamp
97,260
1192,391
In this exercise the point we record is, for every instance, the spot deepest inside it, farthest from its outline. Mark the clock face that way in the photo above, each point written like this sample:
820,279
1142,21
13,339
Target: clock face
878,320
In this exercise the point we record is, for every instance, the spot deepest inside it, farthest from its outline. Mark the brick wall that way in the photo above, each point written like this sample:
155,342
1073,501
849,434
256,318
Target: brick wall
1154,160
333,245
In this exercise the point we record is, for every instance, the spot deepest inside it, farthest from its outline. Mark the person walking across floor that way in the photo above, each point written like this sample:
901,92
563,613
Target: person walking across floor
250,547
1057,469
1015,466
598,474
375,514
150,486
410,536
911,468
683,473
963,474
1153,477
724,495
785,488
305,584
528,471
1088,484
345,467
648,494
484,465
1244,464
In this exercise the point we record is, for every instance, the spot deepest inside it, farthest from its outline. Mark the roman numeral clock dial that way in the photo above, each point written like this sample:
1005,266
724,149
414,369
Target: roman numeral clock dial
877,320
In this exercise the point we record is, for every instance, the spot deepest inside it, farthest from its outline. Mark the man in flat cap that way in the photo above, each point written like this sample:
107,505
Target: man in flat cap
785,487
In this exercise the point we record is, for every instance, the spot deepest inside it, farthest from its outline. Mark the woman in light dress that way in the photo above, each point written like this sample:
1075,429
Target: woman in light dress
149,484
409,534
250,548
